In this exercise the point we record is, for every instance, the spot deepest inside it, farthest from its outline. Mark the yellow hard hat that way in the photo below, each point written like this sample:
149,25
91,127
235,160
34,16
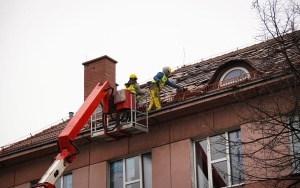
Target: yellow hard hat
132,76
167,70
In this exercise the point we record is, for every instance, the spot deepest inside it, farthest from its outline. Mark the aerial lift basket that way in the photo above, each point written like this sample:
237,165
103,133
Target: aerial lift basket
126,120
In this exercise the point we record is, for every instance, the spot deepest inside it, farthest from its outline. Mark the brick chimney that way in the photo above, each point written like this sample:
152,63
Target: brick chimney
98,70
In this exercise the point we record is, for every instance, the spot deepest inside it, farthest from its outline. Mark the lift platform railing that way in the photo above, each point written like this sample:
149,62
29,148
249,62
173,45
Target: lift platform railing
128,119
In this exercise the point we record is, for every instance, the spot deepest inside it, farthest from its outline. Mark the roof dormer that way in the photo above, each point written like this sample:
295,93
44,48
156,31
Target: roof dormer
232,72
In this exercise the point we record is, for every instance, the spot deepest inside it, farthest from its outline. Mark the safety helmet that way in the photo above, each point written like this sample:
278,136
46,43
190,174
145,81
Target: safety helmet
132,76
167,70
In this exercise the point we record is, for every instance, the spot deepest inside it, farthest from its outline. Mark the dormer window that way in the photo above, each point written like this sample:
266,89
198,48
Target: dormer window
234,75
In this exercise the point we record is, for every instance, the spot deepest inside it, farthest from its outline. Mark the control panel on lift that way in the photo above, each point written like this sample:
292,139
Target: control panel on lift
119,116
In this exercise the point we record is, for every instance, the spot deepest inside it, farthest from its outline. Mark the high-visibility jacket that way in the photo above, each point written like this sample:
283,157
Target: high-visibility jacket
134,88
130,88
160,80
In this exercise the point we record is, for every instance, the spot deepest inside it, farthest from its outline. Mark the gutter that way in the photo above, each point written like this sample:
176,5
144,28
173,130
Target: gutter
214,93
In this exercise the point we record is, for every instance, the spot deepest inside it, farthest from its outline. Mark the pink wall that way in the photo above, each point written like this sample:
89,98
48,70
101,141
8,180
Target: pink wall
168,141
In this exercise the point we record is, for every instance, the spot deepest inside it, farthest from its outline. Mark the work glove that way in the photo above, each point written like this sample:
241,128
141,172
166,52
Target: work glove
182,89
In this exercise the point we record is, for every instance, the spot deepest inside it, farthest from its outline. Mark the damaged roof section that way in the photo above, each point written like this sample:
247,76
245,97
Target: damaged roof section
266,58
198,78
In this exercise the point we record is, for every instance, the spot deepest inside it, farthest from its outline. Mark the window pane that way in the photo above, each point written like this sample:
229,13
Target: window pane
147,170
236,160
296,135
58,183
201,164
132,170
234,73
218,147
67,181
220,174
133,185
116,174
296,142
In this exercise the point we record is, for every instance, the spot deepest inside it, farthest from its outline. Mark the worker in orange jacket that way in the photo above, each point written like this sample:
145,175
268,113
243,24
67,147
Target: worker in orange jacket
159,81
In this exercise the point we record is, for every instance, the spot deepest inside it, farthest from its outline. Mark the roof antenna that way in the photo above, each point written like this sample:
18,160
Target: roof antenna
183,55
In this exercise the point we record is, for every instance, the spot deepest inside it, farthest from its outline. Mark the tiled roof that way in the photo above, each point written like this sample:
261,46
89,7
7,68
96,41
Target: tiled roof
264,57
194,77
34,140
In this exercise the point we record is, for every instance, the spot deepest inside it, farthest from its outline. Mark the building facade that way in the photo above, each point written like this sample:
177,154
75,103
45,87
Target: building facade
207,136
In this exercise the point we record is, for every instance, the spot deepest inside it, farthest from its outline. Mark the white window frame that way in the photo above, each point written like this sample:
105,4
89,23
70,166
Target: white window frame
140,180
141,170
247,75
210,162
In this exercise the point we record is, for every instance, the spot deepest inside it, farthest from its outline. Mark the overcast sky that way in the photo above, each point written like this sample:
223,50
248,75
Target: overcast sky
43,44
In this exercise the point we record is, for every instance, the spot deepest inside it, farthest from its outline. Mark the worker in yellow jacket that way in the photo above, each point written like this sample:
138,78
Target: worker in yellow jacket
159,81
134,87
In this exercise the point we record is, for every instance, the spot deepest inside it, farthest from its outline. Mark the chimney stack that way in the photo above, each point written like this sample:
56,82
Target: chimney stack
98,70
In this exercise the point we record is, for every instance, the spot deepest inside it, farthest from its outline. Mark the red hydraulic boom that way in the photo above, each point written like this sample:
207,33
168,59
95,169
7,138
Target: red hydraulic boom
67,149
